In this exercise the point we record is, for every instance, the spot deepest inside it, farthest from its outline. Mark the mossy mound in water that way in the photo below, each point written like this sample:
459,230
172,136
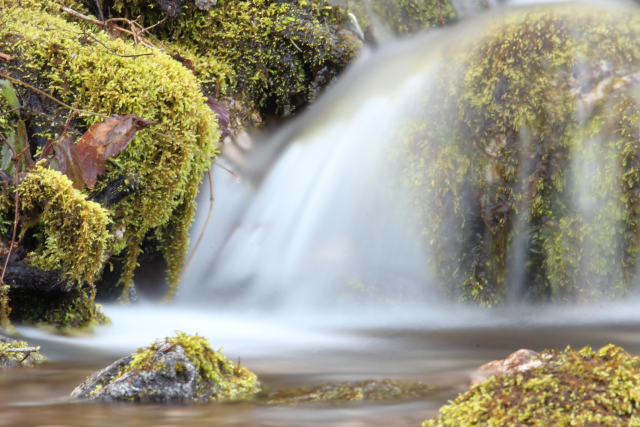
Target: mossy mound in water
184,367
524,151
147,192
14,354
352,391
585,388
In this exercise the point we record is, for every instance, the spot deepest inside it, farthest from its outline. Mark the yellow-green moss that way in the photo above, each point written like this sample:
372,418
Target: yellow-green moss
529,133
76,238
63,58
585,388
11,359
403,17
256,51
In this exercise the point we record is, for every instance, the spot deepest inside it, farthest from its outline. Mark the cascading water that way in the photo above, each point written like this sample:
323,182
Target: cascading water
339,234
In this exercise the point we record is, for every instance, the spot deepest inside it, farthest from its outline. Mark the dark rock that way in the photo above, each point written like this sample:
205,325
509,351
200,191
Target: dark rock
181,368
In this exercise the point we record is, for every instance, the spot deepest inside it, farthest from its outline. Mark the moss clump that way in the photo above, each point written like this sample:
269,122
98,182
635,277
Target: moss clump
264,54
81,65
352,391
76,238
10,359
523,152
571,388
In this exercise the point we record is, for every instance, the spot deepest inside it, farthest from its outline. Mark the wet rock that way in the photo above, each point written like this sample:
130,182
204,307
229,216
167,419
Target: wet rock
352,391
15,354
180,368
520,361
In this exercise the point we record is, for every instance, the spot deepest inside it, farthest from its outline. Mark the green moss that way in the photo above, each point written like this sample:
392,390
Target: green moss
262,53
75,229
69,63
571,388
352,391
10,359
526,140
403,17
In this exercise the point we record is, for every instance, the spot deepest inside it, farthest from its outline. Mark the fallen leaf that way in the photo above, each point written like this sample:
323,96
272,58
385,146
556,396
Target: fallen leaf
68,161
5,57
222,112
105,140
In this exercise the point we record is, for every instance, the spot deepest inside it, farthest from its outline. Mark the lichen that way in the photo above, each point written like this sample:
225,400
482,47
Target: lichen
81,65
352,391
525,142
583,388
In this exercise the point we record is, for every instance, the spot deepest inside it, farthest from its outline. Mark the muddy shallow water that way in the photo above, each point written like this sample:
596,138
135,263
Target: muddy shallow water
443,356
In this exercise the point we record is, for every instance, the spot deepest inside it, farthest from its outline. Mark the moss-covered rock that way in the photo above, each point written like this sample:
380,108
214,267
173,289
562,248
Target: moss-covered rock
585,388
352,391
15,354
523,152
82,65
257,55
184,367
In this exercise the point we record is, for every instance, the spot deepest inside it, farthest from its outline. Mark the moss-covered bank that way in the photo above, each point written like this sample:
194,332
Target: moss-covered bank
83,66
523,152
585,388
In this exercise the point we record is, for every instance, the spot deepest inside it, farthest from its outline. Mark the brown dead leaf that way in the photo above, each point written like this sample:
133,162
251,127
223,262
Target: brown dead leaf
6,57
222,112
105,140
67,160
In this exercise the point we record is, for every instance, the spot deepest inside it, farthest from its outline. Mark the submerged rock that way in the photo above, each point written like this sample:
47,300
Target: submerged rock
181,368
520,361
15,354
581,388
352,391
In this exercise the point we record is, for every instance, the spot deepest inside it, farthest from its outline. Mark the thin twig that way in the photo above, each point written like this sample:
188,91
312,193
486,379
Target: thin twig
195,248
116,53
100,9
20,82
10,111
228,170
15,223
144,30
440,12
81,16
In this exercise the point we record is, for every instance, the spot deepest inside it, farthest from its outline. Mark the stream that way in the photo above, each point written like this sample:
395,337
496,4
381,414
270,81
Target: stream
311,271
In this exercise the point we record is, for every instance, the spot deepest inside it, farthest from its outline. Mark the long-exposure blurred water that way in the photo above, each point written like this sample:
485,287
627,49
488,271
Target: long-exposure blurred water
313,272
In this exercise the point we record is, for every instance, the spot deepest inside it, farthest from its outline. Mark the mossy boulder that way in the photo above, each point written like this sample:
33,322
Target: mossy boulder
184,367
256,56
77,232
15,354
585,388
522,158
